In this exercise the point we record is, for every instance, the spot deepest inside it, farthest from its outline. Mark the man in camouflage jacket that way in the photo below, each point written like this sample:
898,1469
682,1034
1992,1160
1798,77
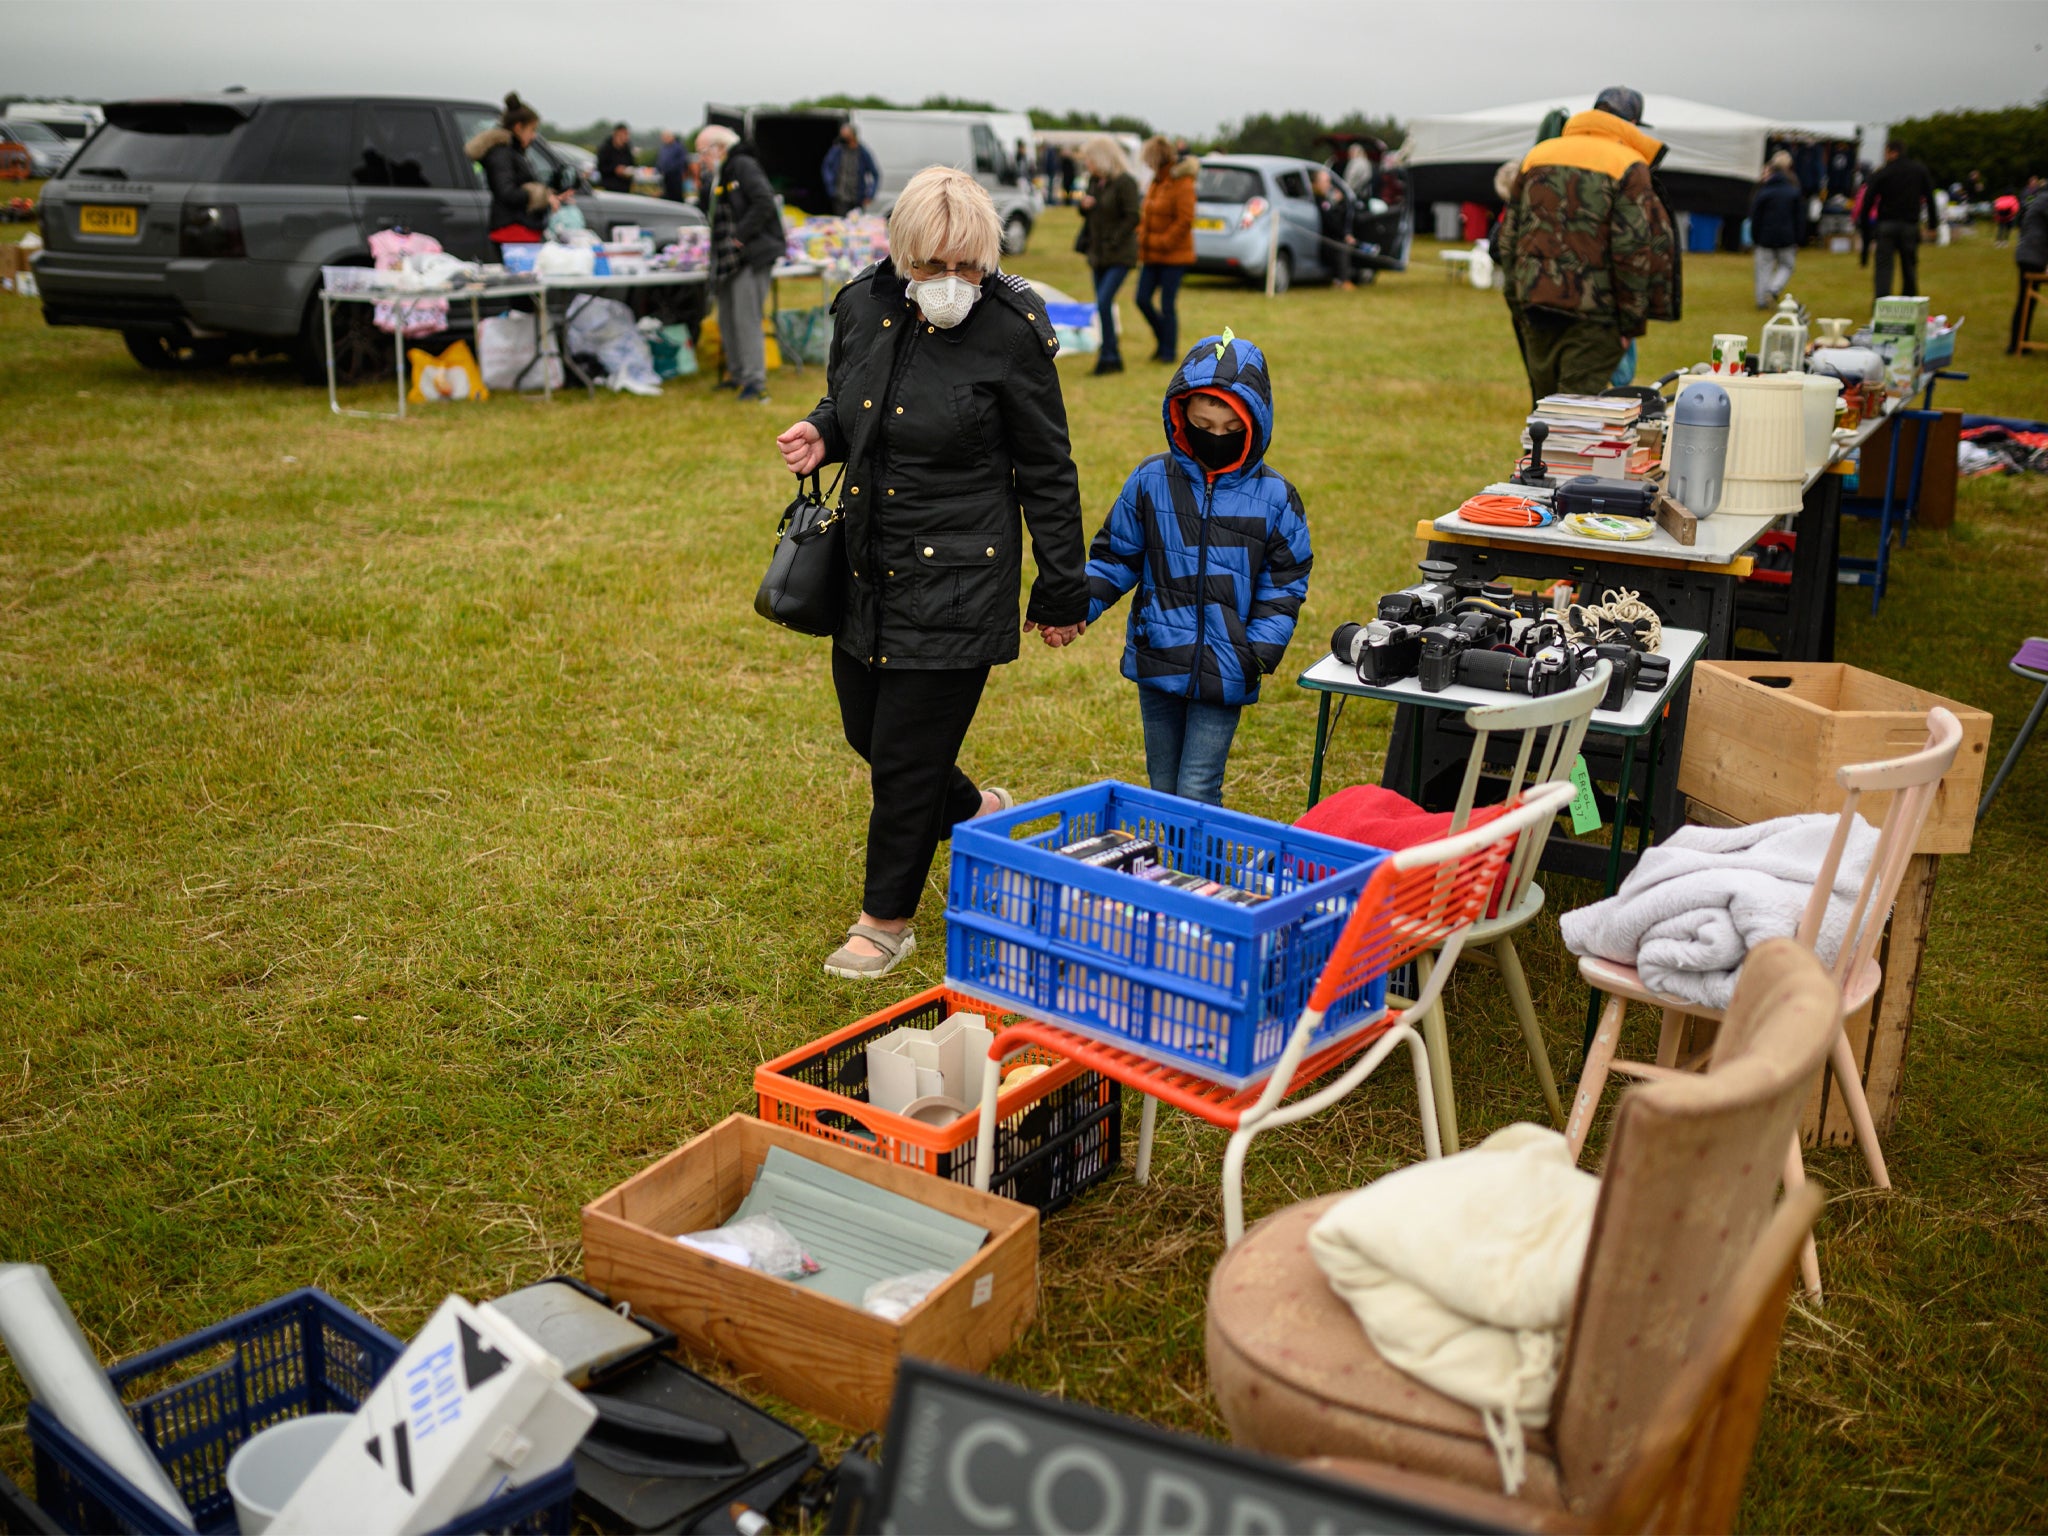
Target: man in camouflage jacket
1590,251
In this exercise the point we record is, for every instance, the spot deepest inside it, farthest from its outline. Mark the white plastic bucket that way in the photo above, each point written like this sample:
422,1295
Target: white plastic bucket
265,1473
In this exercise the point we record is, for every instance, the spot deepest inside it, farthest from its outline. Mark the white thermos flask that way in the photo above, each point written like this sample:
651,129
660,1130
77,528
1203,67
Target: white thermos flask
1699,447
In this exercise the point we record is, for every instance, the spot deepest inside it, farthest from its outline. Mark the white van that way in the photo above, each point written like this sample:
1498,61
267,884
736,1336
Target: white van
67,119
792,147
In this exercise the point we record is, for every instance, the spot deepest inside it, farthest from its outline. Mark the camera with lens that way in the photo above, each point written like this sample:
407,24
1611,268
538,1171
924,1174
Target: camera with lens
1633,669
1551,669
1425,602
1381,652
1473,626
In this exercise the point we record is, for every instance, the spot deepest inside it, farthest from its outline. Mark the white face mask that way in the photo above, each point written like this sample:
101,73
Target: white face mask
945,300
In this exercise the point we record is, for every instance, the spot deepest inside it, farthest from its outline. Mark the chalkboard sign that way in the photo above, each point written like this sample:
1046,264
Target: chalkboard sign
968,1455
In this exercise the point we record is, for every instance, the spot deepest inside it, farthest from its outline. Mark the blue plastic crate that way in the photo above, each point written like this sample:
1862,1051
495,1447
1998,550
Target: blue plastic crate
1189,980
303,1353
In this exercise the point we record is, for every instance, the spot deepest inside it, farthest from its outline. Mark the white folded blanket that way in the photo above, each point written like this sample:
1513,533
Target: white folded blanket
1694,906
1463,1272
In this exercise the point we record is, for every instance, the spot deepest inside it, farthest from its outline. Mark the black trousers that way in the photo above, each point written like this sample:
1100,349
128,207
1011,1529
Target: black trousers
1904,239
908,727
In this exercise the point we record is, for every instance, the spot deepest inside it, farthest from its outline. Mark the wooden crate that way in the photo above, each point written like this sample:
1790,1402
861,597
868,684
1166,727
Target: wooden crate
812,1350
1765,738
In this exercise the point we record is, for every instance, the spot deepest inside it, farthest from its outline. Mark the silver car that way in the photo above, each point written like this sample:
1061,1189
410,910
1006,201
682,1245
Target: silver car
1240,198
197,226
48,150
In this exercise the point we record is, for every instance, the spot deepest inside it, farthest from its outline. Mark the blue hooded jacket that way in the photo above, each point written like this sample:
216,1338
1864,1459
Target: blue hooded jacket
1220,559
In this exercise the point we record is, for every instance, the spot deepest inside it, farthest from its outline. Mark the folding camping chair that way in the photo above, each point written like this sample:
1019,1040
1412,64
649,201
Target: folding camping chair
1421,898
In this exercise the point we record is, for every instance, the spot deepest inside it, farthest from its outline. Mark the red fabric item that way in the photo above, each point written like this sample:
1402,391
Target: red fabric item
515,234
1476,221
1380,818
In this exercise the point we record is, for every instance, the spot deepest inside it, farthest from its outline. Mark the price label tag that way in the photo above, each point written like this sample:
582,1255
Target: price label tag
1585,809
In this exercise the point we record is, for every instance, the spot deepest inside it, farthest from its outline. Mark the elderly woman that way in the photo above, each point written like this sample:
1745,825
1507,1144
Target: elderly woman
1110,237
943,405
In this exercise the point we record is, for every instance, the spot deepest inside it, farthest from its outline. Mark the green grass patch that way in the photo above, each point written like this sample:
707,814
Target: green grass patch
407,831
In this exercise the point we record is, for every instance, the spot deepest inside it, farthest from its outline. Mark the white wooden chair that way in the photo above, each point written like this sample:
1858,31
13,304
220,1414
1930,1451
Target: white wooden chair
1560,721
1911,781
1420,898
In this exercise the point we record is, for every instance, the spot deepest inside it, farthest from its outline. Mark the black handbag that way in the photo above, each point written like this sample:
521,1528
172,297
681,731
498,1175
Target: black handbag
805,588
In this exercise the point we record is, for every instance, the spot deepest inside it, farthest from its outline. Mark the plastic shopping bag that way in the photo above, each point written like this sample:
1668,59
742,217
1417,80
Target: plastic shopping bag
508,347
453,375
604,329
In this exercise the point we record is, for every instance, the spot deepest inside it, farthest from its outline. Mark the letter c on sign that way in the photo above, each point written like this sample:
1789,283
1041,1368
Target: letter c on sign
989,1517
1092,1463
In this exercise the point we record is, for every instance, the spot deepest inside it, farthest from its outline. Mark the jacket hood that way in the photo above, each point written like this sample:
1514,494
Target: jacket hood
1187,165
1605,125
487,141
1237,368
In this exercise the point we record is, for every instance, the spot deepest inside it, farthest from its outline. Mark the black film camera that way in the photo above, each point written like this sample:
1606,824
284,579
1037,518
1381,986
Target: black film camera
1472,626
1381,652
1552,669
1425,602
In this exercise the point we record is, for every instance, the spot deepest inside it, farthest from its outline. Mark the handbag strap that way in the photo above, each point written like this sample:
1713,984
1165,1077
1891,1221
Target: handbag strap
820,496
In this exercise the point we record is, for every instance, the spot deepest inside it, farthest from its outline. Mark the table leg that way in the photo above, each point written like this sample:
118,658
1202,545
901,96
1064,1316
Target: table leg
547,374
401,311
1648,830
1315,767
327,331
1415,723
1628,765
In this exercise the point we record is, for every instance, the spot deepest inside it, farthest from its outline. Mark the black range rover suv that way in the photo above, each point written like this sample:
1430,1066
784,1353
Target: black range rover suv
197,227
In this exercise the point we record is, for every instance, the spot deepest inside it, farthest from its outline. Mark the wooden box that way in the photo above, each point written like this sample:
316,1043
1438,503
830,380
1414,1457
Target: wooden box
1765,739
810,1349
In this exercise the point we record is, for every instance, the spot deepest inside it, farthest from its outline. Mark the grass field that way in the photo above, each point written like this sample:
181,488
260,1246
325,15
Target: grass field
406,832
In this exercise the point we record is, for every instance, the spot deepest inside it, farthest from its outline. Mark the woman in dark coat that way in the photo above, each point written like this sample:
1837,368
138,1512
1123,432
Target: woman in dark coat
520,200
1111,207
943,404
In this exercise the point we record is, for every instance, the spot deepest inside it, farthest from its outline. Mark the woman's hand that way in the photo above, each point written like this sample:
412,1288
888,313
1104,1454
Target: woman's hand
1057,635
803,450
1087,200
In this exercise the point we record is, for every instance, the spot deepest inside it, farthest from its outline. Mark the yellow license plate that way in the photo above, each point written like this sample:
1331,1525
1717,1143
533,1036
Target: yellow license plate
101,219
1209,224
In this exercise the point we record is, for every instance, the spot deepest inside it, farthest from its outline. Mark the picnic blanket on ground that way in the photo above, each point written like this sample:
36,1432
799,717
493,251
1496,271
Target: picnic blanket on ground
1694,906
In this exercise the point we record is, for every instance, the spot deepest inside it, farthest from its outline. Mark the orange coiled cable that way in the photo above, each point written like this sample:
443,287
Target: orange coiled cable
1499,511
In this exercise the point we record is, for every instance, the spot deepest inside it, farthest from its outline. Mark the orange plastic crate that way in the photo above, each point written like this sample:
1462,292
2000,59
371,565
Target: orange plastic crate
1057,1135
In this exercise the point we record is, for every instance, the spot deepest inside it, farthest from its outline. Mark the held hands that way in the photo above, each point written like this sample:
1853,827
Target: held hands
803,450
1057,635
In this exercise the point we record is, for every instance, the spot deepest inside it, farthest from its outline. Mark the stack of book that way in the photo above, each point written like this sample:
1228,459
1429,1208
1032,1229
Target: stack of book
1591,435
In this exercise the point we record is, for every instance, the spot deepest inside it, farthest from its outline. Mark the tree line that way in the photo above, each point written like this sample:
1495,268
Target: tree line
2007,145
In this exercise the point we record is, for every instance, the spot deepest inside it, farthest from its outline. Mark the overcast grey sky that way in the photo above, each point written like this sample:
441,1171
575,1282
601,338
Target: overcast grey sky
1183,64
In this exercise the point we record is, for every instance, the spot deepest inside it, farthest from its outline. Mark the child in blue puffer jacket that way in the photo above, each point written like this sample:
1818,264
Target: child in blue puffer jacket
1217,545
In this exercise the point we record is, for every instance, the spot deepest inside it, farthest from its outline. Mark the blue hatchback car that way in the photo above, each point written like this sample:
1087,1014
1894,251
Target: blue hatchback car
1237,199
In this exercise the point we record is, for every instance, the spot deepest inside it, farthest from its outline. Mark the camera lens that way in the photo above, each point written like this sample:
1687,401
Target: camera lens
1346,643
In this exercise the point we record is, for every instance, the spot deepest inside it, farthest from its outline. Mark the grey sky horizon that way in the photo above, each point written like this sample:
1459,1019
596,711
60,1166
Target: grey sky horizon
1185,67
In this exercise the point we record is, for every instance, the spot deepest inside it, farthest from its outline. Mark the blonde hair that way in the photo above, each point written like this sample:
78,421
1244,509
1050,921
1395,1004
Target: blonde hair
716,136
945,213
1105,156
1781,161
1158,152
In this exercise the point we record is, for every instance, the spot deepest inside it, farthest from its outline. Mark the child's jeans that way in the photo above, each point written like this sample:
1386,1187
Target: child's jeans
1187,743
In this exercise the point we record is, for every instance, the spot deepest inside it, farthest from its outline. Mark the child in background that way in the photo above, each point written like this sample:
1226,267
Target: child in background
1217,545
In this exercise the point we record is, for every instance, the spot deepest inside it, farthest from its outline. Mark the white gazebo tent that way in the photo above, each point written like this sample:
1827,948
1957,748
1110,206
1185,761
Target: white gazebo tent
1715,154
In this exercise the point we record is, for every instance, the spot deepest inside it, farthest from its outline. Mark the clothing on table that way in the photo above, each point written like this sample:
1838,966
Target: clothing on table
519,198
742,299
974,454
908,726
1219,558
1107,281
1164,318
1900,192
851,181
615,166
1187,744
1773,273
1566,356
1903,241
388,250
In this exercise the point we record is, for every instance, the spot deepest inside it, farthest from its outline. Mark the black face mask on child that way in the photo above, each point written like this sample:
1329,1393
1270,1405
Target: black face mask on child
1215,450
